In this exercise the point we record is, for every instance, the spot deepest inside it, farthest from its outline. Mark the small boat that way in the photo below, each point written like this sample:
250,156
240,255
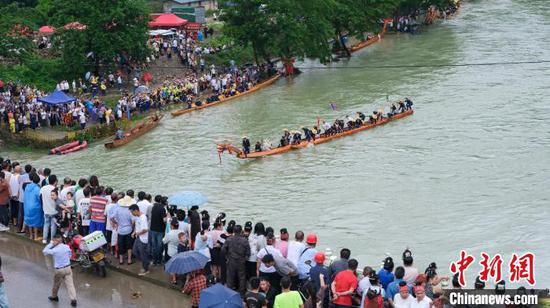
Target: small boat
255,88
135,132
79,147
304,143
64,147
372,40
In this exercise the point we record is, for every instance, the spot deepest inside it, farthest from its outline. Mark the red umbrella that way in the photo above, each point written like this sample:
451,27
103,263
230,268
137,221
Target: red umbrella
147,77
46,30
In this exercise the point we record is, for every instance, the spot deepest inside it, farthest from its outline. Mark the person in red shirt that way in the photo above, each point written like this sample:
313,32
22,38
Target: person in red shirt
344,285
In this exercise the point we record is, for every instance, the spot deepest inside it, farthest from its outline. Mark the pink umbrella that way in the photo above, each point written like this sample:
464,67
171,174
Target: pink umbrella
46,30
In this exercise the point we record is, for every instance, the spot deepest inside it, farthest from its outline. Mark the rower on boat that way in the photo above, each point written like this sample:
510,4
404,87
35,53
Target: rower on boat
258,146
409,103
350,123
296,137
119,135
327,128
361,116
339,126
315,132
374,117
285,139
393,109
308,134
246,145
401,106
358,122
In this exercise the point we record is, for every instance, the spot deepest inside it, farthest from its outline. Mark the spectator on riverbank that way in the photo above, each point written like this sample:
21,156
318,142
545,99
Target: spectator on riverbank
196,281
4,200
141,238
34,215
3,296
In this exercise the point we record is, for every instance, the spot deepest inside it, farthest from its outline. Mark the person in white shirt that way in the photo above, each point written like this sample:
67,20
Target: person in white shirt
411,272
111,233
67,187
374,288
403,299
82,120
364,283
79,194
141,235
83,210
172,240
421,300
144,205
296,247
14,193
269,271
48,205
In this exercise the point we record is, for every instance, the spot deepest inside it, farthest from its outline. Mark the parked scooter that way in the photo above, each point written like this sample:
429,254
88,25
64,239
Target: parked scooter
89,253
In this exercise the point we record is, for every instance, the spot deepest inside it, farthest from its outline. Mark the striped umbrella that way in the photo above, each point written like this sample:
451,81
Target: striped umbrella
186,262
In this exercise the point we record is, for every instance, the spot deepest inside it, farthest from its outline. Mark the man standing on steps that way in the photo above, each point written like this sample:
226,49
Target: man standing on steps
61,254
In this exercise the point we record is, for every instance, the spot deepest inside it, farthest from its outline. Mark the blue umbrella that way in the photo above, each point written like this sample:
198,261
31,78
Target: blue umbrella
218,296
142,89
185,262
187,199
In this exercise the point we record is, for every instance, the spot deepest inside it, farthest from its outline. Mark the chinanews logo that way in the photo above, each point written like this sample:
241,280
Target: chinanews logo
496,298
521,268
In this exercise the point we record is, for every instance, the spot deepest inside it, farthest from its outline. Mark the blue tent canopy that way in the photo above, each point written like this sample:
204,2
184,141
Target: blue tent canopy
57,98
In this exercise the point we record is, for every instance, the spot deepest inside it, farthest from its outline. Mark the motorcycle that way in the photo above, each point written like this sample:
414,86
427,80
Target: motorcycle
88,258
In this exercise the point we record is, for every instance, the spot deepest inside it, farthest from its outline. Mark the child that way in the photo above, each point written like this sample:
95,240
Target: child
183,244
61,222
69,207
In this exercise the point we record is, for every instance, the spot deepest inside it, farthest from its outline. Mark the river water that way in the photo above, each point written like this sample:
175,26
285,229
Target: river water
470,170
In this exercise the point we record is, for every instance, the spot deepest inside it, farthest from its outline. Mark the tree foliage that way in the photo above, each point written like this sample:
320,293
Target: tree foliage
113,28
303,28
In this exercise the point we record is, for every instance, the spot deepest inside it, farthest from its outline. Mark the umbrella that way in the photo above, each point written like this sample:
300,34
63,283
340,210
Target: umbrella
218,296
142,89
187,199
46,30
185,262
147,77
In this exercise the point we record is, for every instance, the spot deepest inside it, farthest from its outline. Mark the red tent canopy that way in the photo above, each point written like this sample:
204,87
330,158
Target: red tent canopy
46,29
167,20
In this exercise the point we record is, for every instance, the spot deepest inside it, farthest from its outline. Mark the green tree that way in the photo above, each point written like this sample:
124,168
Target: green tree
112,28
282,28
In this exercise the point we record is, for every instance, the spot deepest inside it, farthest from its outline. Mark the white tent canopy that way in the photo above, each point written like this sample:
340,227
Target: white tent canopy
161,32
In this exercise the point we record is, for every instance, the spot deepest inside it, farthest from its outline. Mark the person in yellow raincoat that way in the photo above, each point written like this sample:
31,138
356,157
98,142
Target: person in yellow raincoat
12,124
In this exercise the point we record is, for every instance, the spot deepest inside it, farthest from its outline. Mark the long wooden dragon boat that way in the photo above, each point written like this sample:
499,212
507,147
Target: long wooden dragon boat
231,149
135,132
371,40
255,88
